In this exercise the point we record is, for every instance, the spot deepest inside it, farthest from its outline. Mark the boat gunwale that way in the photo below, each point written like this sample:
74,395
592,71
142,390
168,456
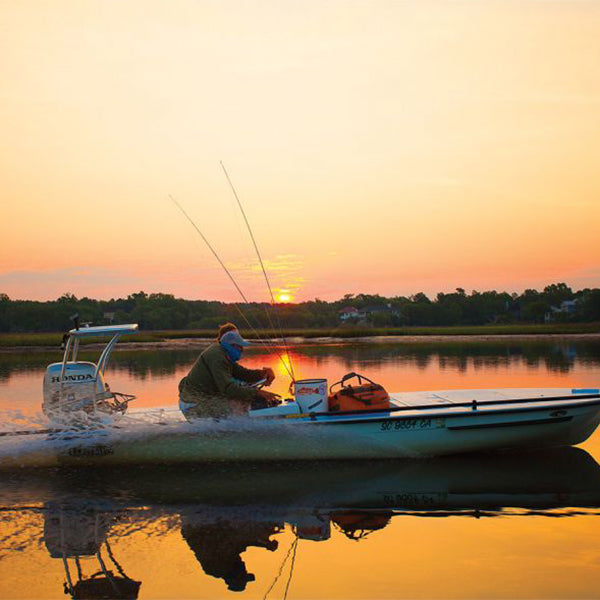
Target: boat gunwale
469,404
386,417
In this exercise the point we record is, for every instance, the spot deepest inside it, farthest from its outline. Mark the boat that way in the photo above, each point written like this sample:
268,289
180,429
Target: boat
413,424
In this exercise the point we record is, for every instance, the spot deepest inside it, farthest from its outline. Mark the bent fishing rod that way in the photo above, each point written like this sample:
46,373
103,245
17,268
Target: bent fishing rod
262,266
237,287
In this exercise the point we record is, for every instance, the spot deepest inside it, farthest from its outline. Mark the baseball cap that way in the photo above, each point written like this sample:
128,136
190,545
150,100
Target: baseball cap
234,338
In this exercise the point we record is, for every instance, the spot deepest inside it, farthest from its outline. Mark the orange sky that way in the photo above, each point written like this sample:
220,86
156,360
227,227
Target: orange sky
377,146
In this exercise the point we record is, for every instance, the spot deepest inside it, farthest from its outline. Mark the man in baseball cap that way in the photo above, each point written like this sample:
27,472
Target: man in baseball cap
215,388
234,344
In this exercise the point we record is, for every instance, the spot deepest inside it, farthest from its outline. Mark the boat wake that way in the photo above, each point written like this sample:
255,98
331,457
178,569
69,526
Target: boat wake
31,440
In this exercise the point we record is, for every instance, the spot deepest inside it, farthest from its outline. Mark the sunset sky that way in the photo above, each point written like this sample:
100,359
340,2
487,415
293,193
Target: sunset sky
378,146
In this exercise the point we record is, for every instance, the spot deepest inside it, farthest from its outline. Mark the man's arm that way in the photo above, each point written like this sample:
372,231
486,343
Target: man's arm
223,374
248,375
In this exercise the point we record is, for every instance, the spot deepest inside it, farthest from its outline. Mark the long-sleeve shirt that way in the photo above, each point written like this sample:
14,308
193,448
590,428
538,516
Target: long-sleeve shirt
214,374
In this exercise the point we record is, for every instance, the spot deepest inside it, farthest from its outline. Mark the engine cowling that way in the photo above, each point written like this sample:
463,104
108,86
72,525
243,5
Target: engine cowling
78,390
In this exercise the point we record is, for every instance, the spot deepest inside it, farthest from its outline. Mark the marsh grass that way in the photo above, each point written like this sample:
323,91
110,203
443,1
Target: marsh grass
50,340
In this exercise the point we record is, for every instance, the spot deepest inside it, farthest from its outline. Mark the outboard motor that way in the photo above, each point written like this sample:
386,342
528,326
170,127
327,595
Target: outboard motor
75,390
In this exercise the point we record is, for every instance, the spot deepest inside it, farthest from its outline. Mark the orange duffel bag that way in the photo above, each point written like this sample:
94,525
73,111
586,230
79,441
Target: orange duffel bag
364,396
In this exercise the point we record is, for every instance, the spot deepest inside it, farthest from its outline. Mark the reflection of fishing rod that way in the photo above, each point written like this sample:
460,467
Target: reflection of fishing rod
262,266
291,551
237,287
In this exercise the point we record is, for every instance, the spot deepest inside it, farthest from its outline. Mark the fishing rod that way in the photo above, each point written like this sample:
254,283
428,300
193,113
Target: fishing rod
237,287
262,266
214,252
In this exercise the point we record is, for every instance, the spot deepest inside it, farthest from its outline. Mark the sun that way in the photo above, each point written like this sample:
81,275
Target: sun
284,298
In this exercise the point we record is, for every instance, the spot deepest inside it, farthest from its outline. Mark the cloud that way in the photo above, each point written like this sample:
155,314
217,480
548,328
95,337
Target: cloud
588,277
52,283
109,283
285,272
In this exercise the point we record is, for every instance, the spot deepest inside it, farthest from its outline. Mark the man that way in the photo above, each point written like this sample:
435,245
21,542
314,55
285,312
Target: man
213,387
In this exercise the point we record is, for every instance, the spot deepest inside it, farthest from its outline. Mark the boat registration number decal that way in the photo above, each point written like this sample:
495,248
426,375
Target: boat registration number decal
399,424
97,450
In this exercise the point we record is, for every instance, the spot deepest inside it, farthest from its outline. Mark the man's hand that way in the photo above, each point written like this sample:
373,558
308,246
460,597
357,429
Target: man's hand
270,398
269,375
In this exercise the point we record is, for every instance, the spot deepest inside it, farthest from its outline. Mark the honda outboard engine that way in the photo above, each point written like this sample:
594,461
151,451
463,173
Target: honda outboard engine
78,389
75,390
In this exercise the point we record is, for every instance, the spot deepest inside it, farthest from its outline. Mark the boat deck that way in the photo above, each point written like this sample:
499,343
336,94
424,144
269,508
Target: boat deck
444,397
451,401
439,403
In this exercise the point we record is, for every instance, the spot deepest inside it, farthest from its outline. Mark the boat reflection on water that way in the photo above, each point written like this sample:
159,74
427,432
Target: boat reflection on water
80,532
222,510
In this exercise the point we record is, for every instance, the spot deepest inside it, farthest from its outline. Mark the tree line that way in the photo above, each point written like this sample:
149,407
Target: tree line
164,311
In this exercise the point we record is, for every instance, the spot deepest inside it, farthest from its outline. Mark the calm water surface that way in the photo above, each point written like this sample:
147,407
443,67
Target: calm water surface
488,526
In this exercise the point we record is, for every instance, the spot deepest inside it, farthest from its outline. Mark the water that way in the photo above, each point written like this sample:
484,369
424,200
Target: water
495,526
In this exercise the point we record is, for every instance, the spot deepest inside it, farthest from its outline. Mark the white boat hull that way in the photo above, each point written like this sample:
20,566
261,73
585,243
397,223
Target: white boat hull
513,419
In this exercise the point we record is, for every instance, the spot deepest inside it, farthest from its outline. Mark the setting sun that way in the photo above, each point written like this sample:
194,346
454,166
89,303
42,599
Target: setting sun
283,298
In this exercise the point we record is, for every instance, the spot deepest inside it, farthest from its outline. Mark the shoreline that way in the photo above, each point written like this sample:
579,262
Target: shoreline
193,343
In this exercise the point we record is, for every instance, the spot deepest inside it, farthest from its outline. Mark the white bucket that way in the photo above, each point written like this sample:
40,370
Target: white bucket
311,395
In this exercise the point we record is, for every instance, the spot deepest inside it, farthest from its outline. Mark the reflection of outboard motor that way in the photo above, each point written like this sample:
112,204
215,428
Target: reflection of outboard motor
74,531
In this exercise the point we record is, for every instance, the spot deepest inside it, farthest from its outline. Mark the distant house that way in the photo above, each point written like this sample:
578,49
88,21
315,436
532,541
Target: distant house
365,314
567,308
109,316
349,312
368,311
